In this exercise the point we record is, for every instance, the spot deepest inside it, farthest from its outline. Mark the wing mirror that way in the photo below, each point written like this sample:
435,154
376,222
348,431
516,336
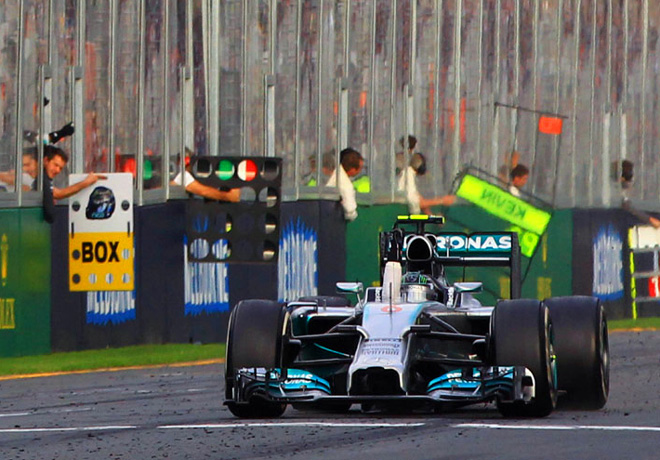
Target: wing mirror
351,288
474,286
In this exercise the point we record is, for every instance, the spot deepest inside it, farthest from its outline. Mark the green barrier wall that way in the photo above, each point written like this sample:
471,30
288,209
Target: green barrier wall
362,241
24,282
27,290
548,273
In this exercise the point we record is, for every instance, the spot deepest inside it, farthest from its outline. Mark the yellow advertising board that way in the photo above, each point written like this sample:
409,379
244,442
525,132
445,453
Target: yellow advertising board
101,252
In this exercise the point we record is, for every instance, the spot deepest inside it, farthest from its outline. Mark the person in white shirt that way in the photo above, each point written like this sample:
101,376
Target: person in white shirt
30,171
195,187
352,162
626,181
418,204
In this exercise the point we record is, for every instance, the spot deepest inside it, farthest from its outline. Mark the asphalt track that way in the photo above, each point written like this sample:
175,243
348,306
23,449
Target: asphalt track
176,413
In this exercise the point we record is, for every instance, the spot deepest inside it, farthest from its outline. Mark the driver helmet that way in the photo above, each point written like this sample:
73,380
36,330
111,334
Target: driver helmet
417,287
415,278
101,204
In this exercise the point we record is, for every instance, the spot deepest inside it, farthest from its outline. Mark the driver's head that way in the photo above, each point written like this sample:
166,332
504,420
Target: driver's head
414,278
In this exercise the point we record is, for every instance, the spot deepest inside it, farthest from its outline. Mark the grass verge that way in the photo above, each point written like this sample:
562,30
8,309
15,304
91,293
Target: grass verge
156,355
140,355
639,323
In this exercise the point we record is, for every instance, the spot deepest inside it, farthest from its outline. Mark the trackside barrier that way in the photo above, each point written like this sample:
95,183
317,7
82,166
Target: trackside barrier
583,252
159,299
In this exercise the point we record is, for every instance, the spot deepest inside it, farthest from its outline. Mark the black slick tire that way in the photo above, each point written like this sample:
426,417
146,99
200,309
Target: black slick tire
582,348
254,340
521,335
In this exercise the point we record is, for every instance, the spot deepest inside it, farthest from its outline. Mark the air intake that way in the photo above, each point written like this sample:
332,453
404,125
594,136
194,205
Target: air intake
419,249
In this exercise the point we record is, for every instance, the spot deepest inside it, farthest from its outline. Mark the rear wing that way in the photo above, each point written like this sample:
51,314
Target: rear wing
482,249
478,249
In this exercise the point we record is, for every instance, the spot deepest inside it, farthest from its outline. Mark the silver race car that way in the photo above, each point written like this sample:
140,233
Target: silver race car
419,342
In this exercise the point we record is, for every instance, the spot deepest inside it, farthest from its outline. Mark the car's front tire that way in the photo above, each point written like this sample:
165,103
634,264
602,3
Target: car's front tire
254,340
522,335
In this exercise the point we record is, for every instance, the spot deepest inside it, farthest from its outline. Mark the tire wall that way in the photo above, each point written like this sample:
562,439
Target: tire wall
24,282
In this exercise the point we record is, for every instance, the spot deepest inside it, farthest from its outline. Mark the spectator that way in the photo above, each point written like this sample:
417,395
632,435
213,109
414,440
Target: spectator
30,171
327,167
55,159
7,179
328,163
408,179
504,173
412,143
195,187
30,168
362,184
309,179
626,181
352,162
31,158
408,183
519,176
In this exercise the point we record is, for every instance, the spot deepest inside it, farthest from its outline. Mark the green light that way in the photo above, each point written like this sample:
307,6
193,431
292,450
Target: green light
225,170
148,172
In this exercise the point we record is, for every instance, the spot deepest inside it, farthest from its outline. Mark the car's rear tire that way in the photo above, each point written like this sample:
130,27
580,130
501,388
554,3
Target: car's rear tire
521,334
582,347
254,340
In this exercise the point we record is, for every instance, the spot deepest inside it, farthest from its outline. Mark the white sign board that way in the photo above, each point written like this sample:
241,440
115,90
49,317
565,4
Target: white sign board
101,250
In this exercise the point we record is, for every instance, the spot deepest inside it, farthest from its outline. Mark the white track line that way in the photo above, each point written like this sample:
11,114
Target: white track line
67,429
498,426
15,414
293,424
210,426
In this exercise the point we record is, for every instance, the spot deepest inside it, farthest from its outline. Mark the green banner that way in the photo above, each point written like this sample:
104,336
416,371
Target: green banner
528,221
24,282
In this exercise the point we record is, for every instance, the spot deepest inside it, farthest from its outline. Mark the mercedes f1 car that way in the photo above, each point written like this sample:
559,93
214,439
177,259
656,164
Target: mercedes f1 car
418,341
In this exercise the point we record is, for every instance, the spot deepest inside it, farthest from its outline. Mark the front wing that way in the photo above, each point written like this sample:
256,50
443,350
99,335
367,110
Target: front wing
456,388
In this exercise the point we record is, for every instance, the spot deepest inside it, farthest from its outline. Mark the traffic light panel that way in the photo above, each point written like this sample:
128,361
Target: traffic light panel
243,232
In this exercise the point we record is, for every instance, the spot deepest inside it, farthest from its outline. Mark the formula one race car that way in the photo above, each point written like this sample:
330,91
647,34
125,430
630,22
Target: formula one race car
419,342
